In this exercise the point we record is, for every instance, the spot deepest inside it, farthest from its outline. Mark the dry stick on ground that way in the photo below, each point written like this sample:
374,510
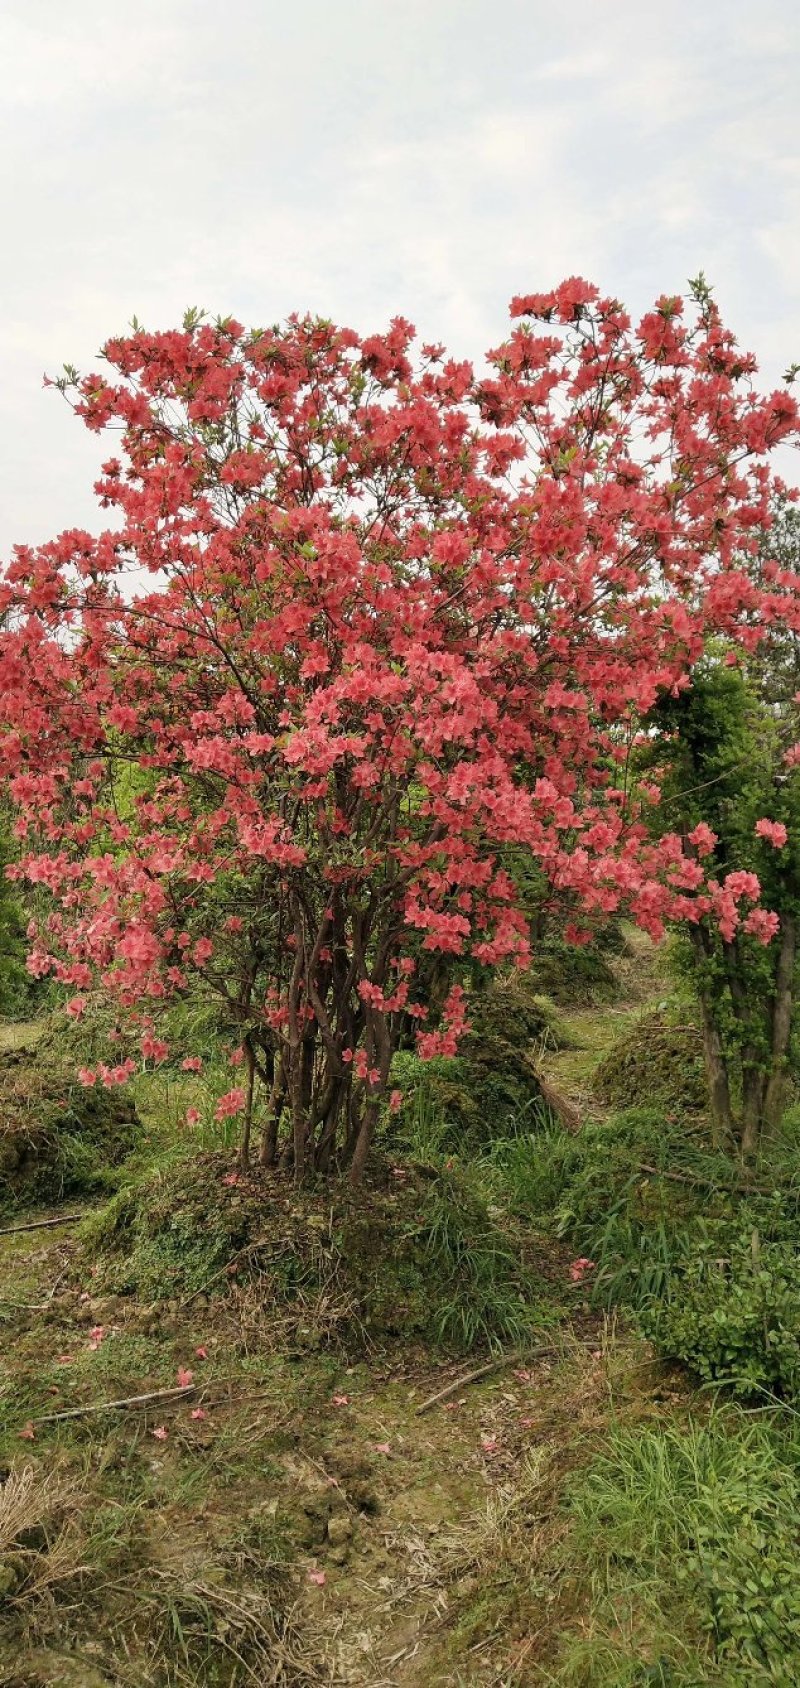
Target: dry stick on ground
565,1111
168,1397
470,1377
126,1401
40,1224
35,1306
497,1365
25,1306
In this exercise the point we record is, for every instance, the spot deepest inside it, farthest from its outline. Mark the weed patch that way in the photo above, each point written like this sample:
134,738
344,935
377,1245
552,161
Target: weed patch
491,1089
677,1233
574,974
733,1317
413,1256
657,1064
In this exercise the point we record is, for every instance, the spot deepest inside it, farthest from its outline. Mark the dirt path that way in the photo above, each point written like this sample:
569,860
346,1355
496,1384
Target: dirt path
393,1525
590,1032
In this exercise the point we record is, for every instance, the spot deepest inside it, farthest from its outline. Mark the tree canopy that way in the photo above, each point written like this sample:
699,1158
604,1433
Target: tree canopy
367,620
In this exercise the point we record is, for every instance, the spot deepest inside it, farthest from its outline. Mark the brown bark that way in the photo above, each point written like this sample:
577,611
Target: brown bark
244,1146
565,1111
269,1141
753,1087
363,1142
302,1076
722,1121
327,1139
781,1024
716,1066
379,1055
295,1057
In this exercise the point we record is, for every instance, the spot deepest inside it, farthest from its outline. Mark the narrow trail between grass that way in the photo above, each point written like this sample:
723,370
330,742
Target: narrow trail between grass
587,1032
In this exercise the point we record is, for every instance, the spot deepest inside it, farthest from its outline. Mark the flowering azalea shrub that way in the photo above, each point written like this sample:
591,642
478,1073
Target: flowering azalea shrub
365,620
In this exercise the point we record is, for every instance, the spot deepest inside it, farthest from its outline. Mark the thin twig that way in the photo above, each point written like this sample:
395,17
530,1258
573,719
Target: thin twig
25,1306
40,1224
35,1306
497,1365
567,1114
168,1396
126,1401
470,1377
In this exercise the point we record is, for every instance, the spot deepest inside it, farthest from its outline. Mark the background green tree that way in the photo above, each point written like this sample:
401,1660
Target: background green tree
721,758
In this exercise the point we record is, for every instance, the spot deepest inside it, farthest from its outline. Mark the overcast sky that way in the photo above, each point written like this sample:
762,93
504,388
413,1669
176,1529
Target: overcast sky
367,157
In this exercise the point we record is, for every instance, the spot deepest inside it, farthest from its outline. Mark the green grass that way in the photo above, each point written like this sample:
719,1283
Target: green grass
684,1541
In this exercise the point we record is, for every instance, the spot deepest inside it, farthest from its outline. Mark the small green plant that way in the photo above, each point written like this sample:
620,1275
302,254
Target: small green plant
622,1207
658,1063
532,1171
577,974
490,1090
17,989
57,1138
734,1317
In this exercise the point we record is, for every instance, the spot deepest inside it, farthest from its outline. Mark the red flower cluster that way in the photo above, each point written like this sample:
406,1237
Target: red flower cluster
361,627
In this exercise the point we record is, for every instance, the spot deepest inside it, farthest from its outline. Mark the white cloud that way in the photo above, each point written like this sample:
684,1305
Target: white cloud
362,160
576,67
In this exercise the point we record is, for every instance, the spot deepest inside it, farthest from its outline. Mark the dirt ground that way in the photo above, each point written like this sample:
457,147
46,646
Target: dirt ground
410,1546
